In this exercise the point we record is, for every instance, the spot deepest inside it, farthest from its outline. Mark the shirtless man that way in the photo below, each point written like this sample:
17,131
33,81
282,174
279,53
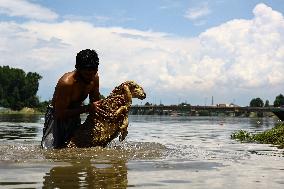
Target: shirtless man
63,116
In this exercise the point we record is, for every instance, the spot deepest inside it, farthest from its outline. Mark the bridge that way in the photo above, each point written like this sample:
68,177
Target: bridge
200,110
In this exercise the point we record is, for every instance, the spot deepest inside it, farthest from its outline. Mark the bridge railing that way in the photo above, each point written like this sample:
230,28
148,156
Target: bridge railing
175,108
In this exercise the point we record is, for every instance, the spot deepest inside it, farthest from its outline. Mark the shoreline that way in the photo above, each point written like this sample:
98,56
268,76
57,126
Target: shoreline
24,111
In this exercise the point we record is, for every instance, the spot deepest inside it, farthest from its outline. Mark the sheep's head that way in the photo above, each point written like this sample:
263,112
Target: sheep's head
136,90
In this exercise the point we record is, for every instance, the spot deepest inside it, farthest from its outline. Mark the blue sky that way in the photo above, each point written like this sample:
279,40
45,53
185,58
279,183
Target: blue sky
179,51
159,15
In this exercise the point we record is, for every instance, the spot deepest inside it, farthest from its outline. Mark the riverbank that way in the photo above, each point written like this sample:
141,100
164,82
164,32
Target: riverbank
22,111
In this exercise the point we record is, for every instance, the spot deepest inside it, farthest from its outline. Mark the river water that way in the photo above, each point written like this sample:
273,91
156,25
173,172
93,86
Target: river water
159,152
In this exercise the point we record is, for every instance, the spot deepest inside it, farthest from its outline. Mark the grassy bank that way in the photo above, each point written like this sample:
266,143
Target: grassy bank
273,136
22,111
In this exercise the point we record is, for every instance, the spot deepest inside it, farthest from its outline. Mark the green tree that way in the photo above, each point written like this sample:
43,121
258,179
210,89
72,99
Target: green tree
279,100
266,103
256,102
18,89
147,104
43,105
102,96
30,89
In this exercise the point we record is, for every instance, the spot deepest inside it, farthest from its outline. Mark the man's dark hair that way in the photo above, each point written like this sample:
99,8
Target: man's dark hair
87,59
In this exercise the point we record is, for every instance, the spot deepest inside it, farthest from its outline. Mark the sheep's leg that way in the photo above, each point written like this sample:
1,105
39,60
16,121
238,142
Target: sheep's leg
120,111
128,96
123,129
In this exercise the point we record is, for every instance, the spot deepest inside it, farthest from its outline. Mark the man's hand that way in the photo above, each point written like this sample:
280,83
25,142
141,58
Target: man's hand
95,108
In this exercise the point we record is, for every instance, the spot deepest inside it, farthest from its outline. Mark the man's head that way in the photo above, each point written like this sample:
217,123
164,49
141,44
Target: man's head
87,63
87,59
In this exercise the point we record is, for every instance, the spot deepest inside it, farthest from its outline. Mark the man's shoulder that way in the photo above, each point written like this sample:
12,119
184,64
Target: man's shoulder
67,79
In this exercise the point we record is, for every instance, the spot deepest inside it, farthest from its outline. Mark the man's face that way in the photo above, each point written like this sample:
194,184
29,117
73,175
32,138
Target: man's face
88,75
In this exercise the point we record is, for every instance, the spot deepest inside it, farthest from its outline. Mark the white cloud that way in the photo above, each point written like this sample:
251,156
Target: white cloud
198,12
24,8
239,58
251,49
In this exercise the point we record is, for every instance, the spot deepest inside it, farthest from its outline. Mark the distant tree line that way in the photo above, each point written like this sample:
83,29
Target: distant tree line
279,100
258,102
18,89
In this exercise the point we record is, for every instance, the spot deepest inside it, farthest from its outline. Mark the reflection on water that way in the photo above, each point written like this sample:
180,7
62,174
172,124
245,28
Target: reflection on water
19,126
96,167
17,131
159,152
88,173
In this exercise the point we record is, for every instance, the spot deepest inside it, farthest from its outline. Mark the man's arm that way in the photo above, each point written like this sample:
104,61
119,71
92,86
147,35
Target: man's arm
94,97
95,92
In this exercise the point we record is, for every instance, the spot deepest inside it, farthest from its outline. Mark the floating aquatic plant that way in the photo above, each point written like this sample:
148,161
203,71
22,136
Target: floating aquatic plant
273,136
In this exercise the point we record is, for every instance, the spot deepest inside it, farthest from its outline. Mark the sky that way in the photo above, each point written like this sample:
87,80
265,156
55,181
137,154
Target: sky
178,51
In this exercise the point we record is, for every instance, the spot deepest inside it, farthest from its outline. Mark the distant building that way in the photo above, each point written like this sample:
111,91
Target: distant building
227,105
233,105
221,105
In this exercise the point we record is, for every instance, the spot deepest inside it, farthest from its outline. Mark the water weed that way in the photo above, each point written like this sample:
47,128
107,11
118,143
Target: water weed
273,136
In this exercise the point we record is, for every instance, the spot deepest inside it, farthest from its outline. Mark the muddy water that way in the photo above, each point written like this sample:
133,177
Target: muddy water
159,152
